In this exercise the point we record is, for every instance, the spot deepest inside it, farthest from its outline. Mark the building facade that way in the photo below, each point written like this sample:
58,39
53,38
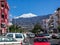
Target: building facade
58,16
54,21
55,18
4,8
45,25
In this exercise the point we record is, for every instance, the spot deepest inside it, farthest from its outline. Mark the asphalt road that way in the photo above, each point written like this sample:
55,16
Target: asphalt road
30,42
52,41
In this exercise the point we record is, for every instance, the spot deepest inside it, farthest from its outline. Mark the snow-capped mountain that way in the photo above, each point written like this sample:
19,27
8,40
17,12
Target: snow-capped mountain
28,15
28,23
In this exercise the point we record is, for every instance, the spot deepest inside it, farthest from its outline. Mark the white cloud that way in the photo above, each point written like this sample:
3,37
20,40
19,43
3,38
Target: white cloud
28,15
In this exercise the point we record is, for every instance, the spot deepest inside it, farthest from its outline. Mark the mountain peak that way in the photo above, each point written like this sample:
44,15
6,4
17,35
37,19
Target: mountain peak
28,15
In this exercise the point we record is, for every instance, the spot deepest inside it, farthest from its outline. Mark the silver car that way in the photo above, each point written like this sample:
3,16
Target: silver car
8,41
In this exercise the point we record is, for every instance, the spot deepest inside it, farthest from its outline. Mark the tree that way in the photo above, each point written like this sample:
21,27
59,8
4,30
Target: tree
58,28
12,28
37,28
15,28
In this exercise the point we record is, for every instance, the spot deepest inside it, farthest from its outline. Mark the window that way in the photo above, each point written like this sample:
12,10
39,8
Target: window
10,35
12,39
2,3
6,39
3,25
2,16
18,36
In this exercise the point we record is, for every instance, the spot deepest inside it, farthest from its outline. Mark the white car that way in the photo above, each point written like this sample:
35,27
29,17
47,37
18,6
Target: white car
18,36
8,41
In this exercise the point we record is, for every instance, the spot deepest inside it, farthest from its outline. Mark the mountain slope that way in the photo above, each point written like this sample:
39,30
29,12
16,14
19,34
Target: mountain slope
29,22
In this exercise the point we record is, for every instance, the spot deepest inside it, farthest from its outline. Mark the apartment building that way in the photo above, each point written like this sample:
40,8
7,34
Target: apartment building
4,8
54,20
58,15
45,24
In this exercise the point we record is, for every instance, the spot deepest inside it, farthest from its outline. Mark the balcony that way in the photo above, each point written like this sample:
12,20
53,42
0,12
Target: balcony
3,25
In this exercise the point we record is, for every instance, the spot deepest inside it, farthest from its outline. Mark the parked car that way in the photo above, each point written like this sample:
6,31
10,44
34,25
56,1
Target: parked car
47,36
20,37
17,36
43,35
8,41
31,35
39,35
55,36
41,41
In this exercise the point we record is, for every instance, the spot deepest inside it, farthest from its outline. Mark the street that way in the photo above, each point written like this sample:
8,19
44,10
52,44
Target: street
52,41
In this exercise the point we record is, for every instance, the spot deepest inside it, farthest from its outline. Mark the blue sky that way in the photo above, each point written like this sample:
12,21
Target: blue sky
38,7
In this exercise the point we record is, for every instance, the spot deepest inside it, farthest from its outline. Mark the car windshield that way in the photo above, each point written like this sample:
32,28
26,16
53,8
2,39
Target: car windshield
40,40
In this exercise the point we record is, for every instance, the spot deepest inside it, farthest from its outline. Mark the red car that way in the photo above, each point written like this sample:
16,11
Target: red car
41,41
